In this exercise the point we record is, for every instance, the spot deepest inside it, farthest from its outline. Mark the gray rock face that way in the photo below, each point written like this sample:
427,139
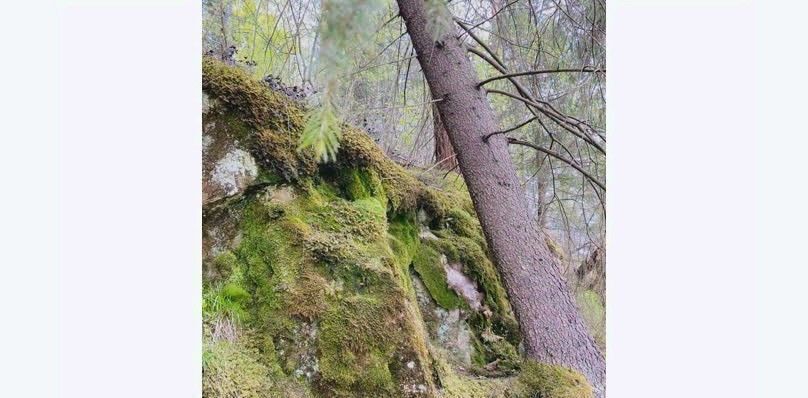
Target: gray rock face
301,353
462,284
233,171
227,166
447,329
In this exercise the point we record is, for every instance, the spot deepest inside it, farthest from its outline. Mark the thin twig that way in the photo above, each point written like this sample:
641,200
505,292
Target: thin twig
554,117
520,125
540,72
559,157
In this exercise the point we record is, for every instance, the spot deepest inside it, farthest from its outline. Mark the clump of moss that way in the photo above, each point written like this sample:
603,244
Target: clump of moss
442,193
221,267
323,260
353,182
401,189
476,263
403,238
237,369
362,218
276,121
429,267
539,380
309,296
355,346
454,385
233,370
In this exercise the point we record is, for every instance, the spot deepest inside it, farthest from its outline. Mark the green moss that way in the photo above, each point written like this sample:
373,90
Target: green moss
273,127
237,369
221,267
275,121
539,380
322,259
499,349
308,296
468,252
594,314
436,205
428,266
235,293
402,190
403,239
335,255
233,370
358,339
357,183
363,219
463,224
442,195
272,263
459,386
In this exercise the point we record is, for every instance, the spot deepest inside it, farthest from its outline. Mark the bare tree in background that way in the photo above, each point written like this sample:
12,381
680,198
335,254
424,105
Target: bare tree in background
444,152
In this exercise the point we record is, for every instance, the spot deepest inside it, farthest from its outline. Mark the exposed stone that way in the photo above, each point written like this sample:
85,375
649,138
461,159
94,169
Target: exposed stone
426,234
447,329
462,284
233,172
228,168
301,353
220,232
207,103
279,195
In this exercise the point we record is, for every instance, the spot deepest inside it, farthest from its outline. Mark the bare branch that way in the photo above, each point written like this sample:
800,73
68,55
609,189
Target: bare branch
520,125
541,72
556,117
559,157
494,15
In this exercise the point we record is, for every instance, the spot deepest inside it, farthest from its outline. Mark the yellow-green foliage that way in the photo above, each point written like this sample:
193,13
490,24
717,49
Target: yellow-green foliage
539,380
232,369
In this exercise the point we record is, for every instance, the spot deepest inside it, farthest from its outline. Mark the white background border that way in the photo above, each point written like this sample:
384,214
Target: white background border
100,205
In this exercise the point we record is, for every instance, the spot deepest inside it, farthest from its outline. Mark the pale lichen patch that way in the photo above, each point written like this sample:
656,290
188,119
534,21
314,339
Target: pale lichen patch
462,284
233,172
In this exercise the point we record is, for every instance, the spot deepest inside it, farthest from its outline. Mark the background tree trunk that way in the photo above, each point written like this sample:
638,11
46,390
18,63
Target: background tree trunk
444,152
552,328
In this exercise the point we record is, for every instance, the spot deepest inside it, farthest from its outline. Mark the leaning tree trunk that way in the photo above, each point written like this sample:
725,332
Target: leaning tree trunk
552,328
444,153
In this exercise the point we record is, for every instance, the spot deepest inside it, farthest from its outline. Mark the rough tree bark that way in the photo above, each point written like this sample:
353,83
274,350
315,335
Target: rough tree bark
551,325
444,153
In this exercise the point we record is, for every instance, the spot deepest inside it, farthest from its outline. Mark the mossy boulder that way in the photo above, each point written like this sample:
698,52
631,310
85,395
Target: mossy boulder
539,380
340,279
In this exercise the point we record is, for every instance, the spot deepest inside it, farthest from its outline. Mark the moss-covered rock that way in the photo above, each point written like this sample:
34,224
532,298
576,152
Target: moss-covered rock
334,280
539,380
